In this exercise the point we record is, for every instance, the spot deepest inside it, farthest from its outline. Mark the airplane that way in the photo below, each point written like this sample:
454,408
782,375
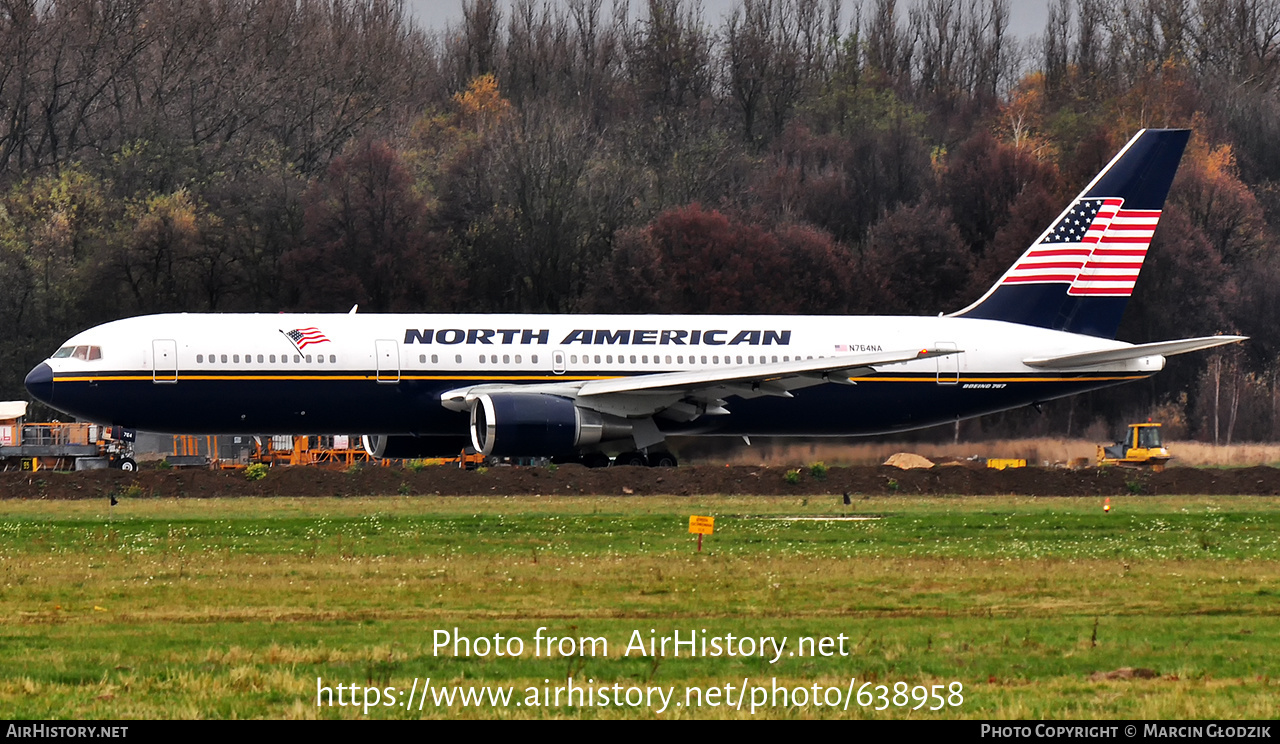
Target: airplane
575,387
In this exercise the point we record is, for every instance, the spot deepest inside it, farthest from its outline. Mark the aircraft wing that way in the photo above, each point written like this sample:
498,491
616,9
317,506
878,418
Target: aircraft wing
828,369
1125,353
639,395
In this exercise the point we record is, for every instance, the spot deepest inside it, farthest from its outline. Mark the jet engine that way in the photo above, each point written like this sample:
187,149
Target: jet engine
534,424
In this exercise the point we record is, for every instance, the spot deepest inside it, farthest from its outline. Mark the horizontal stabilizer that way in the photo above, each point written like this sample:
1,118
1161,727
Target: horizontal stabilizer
1161,348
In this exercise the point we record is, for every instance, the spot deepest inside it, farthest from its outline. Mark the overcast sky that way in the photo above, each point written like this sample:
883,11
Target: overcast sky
1026,17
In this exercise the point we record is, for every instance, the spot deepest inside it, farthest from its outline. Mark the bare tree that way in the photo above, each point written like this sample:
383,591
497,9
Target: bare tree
935,27
669,55
1056,45
888,46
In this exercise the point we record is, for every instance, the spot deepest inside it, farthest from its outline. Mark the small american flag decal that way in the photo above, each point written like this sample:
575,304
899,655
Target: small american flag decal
304,337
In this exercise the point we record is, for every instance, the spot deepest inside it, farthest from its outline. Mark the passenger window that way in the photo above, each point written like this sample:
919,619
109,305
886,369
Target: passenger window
751,360
573,359
235,358
259,359
609,358
199,358
482,358
272,358
739,360
633,358
333,359
308,359
704,360
534,358
457,358
297,359
224,358
506,359
422,359
714,360
597,358
775,358
517,358
320,358
435,359
644,359
668,359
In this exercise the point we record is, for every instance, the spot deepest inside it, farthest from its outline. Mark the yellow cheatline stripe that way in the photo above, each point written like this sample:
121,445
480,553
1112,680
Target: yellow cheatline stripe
312,378
930,378
925,377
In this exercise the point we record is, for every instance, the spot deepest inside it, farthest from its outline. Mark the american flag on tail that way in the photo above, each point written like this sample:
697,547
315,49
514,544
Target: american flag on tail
1097,247
304,337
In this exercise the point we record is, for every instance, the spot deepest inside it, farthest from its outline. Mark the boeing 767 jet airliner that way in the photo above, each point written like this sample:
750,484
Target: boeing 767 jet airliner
579,386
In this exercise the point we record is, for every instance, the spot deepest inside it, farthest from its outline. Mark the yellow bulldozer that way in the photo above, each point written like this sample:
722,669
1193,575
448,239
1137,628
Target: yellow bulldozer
1140,446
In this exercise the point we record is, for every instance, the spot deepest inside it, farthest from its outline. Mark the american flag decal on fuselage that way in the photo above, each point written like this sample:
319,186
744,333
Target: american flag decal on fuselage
304,337
1097,247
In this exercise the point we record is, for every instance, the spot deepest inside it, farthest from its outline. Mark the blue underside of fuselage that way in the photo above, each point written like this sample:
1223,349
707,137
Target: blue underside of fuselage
231,405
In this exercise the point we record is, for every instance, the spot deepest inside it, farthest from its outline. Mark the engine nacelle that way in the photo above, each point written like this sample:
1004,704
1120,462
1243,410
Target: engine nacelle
412,448
535,425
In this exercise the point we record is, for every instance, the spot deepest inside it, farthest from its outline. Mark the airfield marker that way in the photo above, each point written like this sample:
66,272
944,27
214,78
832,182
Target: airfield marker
1106,508
701,526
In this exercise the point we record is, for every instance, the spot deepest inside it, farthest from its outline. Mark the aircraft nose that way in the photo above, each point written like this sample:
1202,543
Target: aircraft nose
39,383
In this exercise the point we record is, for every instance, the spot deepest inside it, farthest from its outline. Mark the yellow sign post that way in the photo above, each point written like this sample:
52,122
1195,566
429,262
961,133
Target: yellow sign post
701,526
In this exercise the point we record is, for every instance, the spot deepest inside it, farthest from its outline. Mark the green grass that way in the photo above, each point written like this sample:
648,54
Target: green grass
233,608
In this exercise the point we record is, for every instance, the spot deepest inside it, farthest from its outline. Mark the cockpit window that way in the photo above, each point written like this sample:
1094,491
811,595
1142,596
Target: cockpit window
85,353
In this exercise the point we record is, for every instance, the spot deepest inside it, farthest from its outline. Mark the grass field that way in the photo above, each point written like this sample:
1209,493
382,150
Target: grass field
233,608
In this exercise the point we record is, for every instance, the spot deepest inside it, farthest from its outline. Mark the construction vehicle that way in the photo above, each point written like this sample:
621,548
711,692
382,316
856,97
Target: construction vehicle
1140,446
59,446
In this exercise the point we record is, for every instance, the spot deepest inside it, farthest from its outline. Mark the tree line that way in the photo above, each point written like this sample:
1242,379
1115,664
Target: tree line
795,156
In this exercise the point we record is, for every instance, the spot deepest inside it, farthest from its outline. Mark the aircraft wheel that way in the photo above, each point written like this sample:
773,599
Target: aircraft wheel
635,459
662,460
127,465
595,460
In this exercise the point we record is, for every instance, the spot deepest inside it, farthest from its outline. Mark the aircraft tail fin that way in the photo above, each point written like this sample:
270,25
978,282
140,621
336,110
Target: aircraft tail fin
1078,275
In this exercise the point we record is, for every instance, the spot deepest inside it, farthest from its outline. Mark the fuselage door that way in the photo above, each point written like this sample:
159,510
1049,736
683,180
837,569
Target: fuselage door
557,361
948,364
164,355
388,354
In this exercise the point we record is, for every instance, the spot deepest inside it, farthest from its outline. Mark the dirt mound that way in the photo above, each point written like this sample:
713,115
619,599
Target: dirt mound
908,461
575,479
